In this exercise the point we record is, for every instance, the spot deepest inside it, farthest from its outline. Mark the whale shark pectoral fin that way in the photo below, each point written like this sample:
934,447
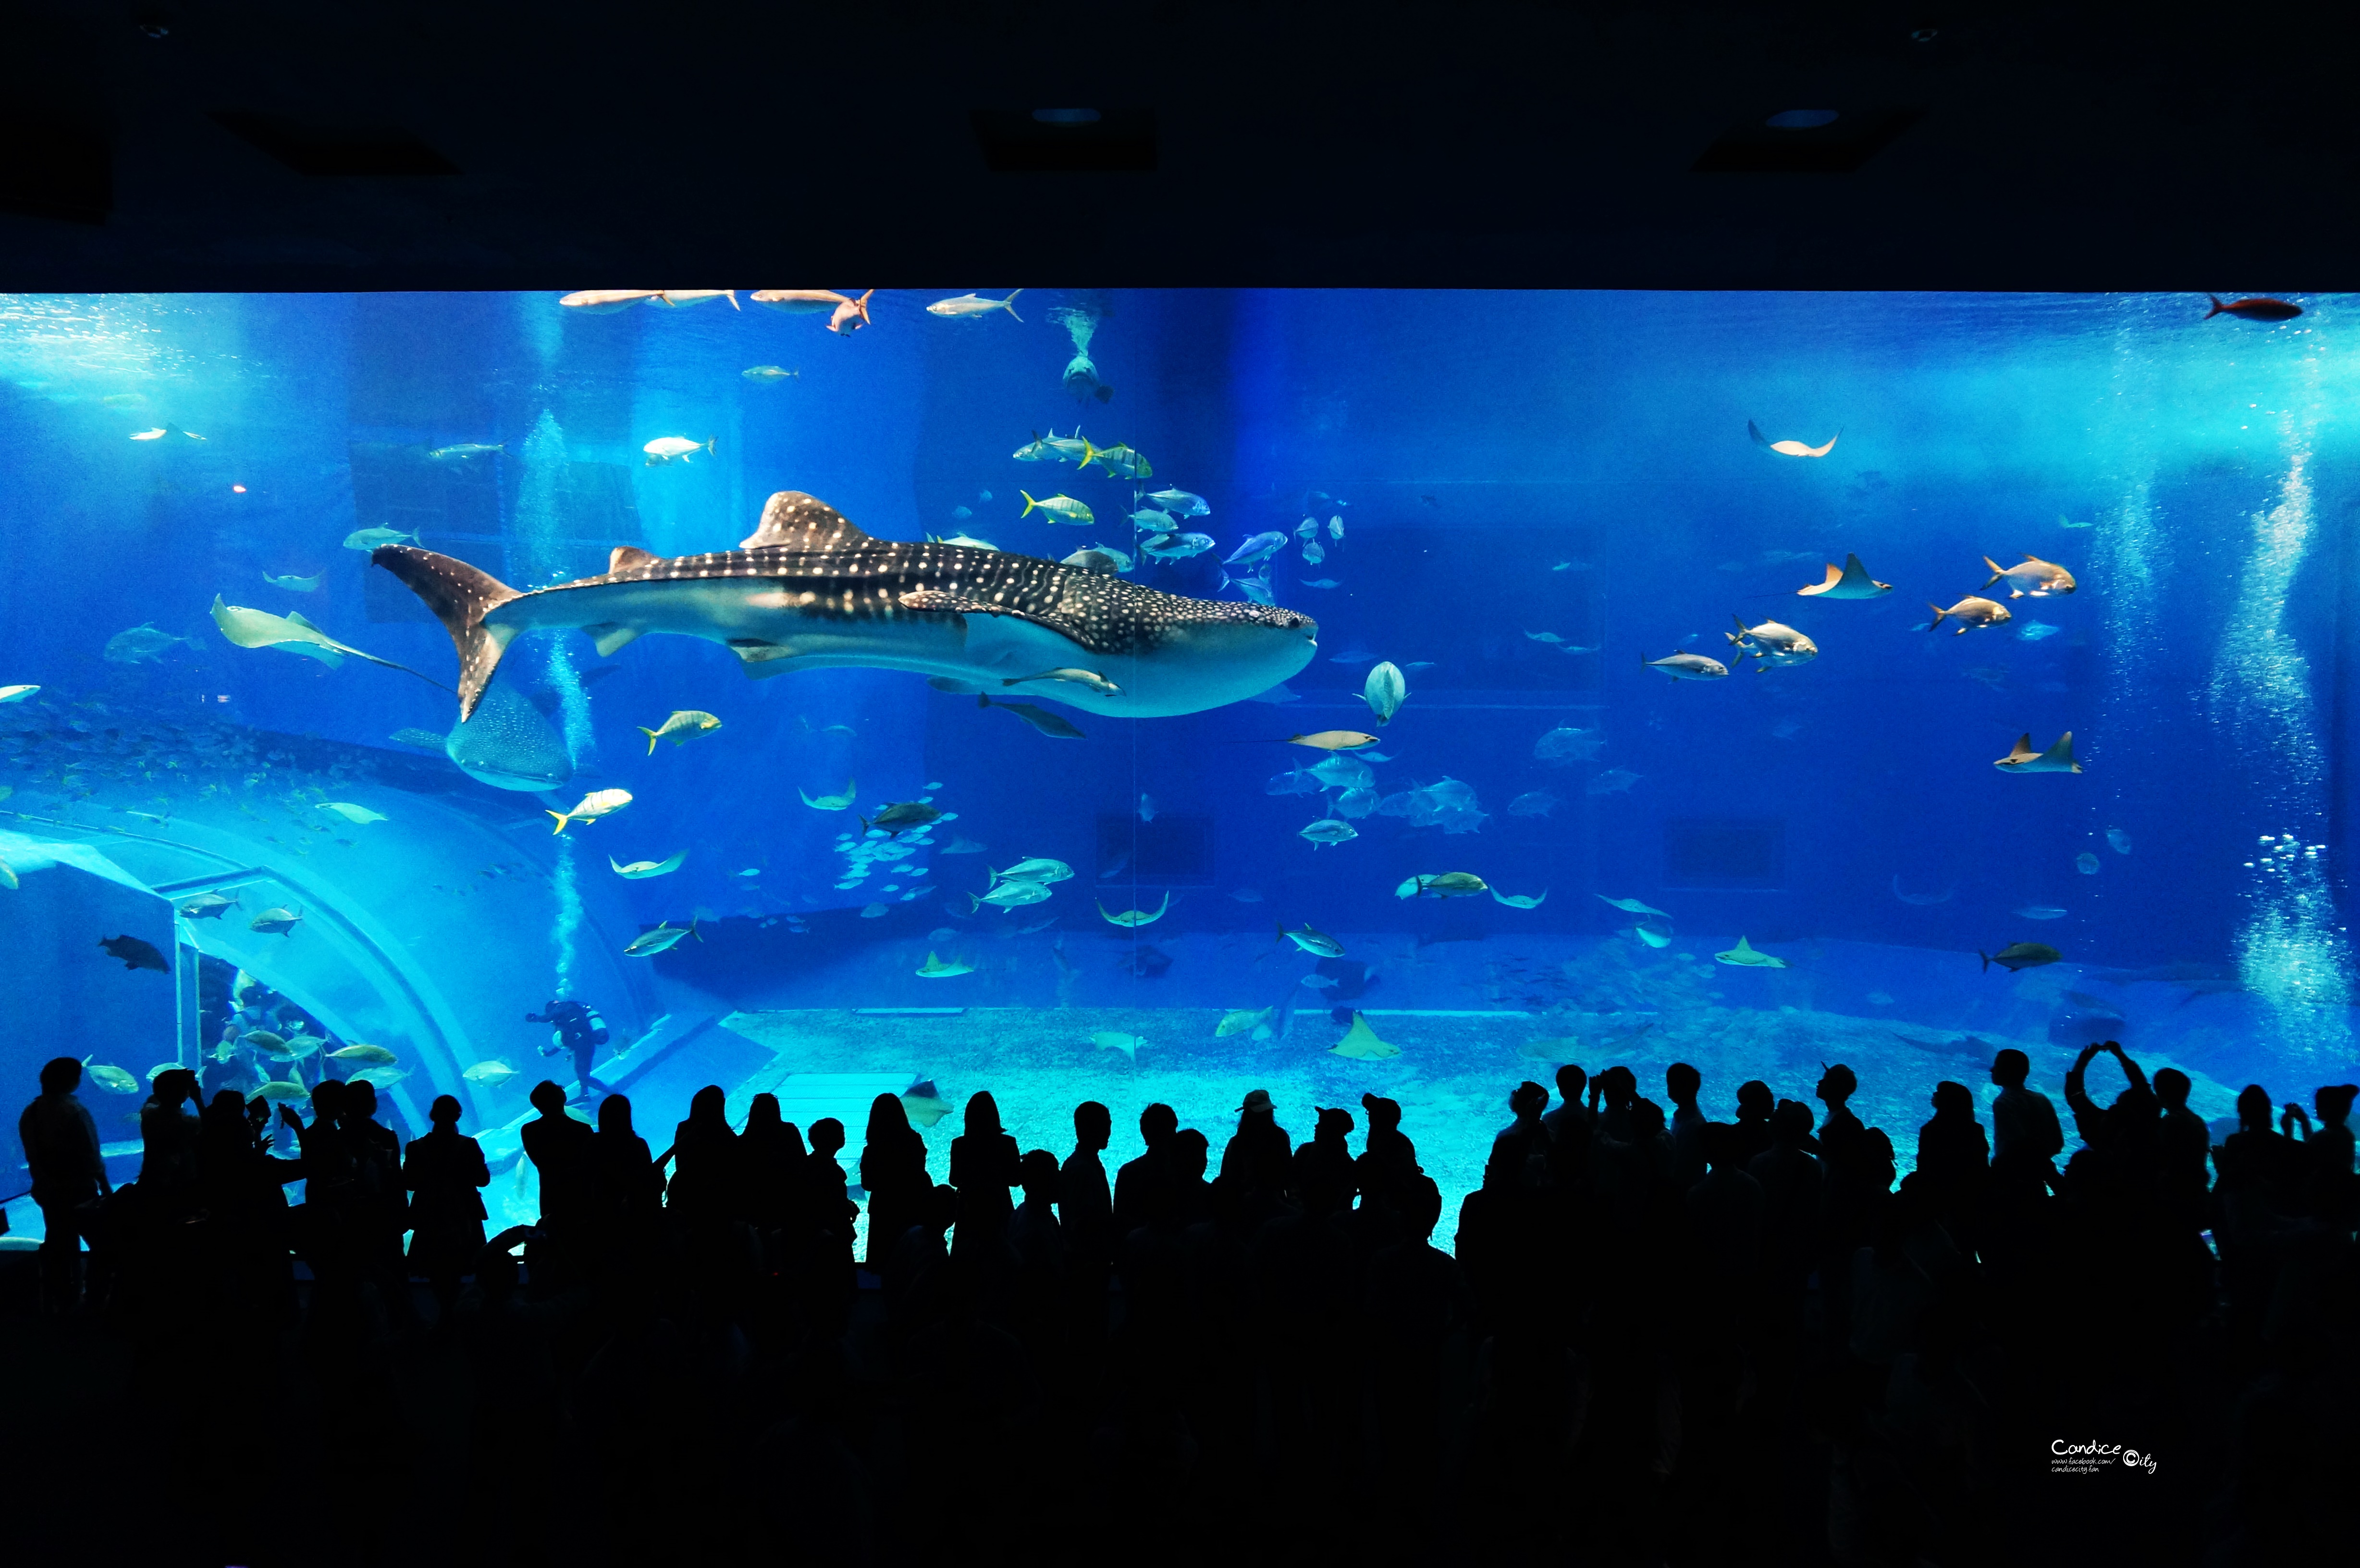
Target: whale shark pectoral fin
792,520
761,659
626,557
1001,638
607,636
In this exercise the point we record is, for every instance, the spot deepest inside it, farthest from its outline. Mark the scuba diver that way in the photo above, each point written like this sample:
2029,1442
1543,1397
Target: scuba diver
580,1031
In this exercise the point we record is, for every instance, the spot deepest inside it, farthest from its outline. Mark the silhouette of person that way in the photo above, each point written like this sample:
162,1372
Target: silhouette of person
771,1159
1186,1189
169,1134
1324,1165
1258,1155
984,1163
1388,1169
1571,1126
445,1174
893,1172
627,1189
1085,1200
1953,1156
69,1174
377,1208
559,1147
1754,1105
704,1158
2026,1137
2183,1143
1519,1159
2329,1152
1682,1084
1136,1182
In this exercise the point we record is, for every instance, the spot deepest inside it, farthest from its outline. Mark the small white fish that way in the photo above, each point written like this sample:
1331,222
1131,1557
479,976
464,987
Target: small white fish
667,448
966,305
159,433
1328,829
2040,912
367,539
602,300
1687,665
2034,631
16,693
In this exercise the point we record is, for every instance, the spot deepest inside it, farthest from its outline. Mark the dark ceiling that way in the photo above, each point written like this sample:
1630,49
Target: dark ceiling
192,145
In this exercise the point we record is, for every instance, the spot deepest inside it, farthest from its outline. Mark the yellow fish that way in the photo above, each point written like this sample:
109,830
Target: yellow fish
683,726
595,804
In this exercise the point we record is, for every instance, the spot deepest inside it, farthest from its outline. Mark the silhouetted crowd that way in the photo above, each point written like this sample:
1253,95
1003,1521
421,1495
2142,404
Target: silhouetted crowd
1657,1339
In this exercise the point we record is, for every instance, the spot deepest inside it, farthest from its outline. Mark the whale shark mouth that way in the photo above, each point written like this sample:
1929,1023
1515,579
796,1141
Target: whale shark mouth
809,589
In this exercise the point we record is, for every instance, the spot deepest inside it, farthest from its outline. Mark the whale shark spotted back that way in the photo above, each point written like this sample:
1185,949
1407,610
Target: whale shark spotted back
809,589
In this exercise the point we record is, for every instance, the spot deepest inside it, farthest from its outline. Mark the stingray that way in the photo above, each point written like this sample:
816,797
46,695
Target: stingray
2058,759
1852,582
1361,1043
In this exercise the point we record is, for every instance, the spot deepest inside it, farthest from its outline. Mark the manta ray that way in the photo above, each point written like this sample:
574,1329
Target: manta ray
807,590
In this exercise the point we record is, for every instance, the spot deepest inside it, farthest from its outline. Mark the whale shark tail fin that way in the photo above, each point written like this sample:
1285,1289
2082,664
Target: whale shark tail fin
460,597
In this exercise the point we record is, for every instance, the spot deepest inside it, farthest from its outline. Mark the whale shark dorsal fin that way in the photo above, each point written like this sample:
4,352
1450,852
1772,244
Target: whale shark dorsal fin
792,520
628,557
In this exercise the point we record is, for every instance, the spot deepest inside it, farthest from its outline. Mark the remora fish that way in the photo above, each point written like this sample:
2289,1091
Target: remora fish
808,589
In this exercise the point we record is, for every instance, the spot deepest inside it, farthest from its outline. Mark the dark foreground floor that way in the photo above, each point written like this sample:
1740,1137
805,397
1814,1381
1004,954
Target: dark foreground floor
538,1434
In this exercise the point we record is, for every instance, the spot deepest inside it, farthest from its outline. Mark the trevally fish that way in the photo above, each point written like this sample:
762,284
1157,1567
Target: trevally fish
666,448
1258,548
2032,576
1061,509
144,643
1181,503
1176,547
809,589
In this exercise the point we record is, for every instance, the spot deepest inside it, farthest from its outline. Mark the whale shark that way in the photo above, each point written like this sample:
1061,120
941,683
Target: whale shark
808,589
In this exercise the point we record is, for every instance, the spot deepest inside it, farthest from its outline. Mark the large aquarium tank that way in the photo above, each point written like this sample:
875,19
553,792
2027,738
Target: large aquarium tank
1138,696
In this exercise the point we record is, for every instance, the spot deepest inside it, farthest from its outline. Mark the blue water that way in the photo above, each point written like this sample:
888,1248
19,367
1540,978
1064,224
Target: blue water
1507,468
